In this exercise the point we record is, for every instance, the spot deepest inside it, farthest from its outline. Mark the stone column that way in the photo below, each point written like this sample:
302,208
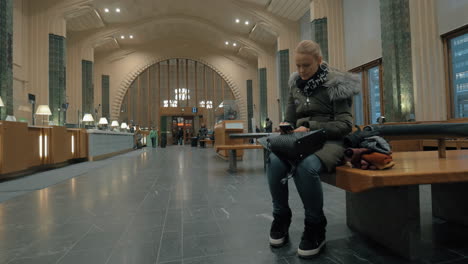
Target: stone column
397,62
6,57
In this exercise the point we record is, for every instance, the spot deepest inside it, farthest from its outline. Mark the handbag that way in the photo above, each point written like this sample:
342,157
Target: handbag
295,147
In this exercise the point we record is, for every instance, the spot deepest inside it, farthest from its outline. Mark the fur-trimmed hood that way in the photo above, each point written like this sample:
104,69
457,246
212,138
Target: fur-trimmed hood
340,85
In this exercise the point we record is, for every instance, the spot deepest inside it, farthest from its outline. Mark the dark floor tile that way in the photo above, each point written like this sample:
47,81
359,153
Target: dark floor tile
174,202
138,235
318,259
171,246
173,221
88,257
197,246
171,262
50,246
239,257
134,254
44,259
459,261
149,219
201,228
101,240
198,214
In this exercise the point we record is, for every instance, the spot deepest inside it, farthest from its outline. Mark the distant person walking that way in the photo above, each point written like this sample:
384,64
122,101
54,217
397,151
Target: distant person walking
268,126
153,135
180,136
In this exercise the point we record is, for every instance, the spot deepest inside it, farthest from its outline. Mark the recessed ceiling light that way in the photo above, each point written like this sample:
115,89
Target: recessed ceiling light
122,37
234,44
106,10
246,22
237,20
117,10
227,42
131,36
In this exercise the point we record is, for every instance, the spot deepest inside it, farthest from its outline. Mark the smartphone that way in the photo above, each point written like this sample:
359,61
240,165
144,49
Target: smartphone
286,129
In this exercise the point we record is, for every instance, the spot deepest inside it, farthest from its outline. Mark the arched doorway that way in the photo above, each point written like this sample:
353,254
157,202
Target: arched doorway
178,93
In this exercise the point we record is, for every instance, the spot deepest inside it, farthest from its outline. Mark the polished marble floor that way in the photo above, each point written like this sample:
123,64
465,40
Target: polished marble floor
178,205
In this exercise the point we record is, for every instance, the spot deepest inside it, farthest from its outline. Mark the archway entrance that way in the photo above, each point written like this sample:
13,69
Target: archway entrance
176,88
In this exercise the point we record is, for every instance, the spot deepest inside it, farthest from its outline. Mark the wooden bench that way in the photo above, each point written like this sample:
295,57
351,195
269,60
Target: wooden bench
384,204
208,141
233,153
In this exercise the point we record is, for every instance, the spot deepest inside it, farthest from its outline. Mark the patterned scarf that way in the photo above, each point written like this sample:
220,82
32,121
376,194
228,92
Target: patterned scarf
307,87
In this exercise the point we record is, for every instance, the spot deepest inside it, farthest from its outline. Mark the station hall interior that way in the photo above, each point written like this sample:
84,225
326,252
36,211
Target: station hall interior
118,122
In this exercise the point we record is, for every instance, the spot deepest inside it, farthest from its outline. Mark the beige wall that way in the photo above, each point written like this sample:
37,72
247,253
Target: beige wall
123,68
33,22
452,14
428,64
333,11
76,52
362,32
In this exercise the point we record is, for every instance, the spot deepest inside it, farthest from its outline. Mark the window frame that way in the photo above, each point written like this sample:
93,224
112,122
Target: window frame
364,70
449,91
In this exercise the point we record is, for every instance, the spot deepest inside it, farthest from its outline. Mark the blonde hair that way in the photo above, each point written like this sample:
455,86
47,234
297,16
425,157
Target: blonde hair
309,47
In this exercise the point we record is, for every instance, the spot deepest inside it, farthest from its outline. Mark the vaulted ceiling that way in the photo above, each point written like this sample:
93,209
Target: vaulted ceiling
213,22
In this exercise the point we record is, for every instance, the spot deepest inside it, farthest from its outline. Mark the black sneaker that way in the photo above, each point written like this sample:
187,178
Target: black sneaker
312,241
279,231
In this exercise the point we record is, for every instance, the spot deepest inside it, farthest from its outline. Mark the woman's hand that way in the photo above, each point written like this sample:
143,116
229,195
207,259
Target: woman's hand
301,129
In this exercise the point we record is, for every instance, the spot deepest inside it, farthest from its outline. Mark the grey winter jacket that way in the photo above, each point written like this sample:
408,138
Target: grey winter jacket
328,108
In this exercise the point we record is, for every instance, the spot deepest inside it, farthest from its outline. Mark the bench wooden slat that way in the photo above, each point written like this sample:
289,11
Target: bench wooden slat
418,167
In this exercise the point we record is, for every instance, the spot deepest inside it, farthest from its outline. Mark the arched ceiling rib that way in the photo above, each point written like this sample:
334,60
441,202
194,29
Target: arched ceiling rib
173,26
213,19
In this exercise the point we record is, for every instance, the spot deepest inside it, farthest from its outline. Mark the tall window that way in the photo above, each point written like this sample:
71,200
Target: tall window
456,44
368,105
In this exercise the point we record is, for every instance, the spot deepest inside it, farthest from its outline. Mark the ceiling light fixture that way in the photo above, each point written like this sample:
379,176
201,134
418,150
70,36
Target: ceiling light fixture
117,10
246,23
234,44
227,42
131,36
122,37
237,20
106,10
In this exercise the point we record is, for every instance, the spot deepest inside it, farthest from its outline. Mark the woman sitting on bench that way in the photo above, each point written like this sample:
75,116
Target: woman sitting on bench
320,97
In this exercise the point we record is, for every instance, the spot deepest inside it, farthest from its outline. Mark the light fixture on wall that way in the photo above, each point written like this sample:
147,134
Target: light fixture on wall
106,10
43,110
237,20
246,22
117,10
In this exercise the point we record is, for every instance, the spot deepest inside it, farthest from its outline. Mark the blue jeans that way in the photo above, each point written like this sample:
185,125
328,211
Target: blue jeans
308,184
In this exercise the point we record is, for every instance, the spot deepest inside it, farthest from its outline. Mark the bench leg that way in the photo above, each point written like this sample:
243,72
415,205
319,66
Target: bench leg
232,161
390,216
449,202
